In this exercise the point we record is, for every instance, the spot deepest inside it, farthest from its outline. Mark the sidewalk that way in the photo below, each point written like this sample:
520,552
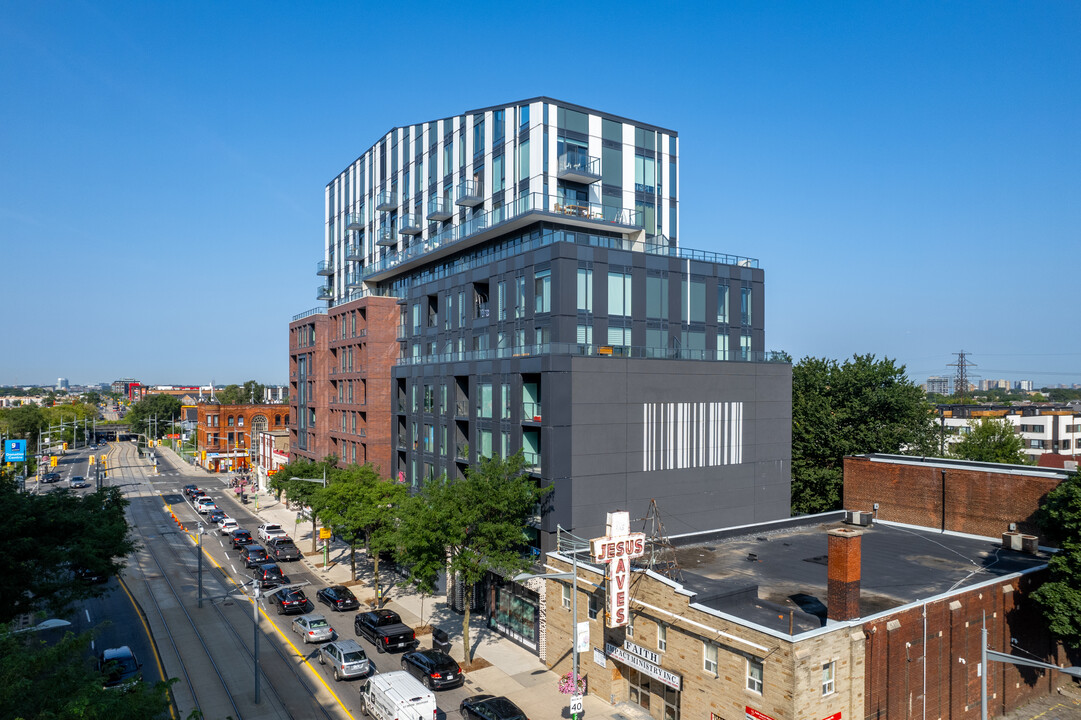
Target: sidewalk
511,670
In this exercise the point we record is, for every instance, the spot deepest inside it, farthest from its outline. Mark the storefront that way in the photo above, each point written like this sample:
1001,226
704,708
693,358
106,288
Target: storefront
648,685
513,612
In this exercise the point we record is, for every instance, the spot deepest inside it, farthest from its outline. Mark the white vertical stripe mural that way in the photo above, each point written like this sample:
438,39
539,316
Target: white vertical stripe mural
691,435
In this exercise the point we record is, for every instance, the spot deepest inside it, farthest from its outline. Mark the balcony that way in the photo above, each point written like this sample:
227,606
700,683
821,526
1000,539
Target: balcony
531,412
384,237
354,221
440,209
354,281
354,253
409,224
461,409
324,292
324,268
532,461
387,201
577,166
470,193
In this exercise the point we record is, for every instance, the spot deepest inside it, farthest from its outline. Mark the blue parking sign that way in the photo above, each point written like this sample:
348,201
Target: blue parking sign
15,450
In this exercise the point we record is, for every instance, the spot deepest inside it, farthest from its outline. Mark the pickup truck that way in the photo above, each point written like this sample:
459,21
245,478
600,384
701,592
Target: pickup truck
270,530
282,549
385,630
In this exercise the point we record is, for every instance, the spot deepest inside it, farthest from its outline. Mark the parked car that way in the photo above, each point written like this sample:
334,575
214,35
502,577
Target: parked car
282,549
384,629
253,555
216,516
241,538
228,525
120,668
313,627
346,657
78,482
290,601
188,489
490,707
204,505
338,597
434,668
269,575
269,530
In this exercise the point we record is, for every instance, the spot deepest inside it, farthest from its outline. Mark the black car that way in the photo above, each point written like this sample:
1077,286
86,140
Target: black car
491,707
290,601
119,668
282,549
188,489
338,597
50,477
269,575
434,668
215,516
385,630
241,538
253,555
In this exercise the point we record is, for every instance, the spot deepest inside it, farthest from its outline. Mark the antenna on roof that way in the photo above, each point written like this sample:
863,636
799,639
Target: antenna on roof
661,554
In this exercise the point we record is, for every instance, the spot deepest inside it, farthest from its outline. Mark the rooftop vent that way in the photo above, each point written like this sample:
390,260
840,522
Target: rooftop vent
858,517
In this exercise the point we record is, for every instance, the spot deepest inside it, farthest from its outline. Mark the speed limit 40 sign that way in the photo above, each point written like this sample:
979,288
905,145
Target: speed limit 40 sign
576,704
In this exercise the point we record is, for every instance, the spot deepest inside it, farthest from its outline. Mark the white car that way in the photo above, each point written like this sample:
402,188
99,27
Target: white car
205,505
228,525
271,530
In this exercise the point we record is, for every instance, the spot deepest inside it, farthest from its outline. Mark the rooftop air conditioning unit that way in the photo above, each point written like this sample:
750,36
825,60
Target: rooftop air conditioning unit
858,517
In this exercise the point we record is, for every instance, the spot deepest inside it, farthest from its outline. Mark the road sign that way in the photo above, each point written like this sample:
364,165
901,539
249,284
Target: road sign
15,450
576,704
53,460
324,533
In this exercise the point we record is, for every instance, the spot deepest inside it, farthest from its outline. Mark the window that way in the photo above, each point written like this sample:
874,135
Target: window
498,179
612,166
827,678
619,293
594,607
542,291
523,115
505,391
484,441
240,421
501,299
745,306
745,347
484,400
662,637
645,173
657,297
478,135
722,345
619,336
523,161
694,295
519,296
722,304
709,658
230,421
754,675
585,289
567,597
585,334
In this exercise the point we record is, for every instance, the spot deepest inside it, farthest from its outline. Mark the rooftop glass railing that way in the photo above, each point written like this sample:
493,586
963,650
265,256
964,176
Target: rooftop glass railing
661,353
579,166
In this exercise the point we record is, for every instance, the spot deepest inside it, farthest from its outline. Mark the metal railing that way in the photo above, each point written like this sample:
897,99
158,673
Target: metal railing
324,292
579,161
531,411
626,351
309,313
440,208
324,267
387,200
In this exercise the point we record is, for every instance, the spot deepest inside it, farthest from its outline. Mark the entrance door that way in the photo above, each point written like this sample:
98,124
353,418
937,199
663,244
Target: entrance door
661,701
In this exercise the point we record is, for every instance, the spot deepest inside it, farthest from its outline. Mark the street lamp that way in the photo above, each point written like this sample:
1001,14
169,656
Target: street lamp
49,624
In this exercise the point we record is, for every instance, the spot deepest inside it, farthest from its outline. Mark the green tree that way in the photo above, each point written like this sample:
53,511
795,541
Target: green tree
253,392
92,397
475,525
340,507
48,535
861,406
231,395
25,422
162,407
1059,518
43,681
990,440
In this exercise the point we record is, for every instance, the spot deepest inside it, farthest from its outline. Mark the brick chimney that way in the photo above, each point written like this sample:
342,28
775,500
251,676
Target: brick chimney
843,589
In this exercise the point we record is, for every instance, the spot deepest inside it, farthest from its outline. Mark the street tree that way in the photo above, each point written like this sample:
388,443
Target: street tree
474,525
380,514
1059,598
49,536
42,681
339,507
860,406
990,440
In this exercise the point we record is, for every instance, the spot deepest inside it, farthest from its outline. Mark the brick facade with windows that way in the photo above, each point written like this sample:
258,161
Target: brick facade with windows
225,433
979,498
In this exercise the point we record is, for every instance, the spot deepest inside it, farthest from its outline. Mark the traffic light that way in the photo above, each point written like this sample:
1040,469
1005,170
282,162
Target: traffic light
92,459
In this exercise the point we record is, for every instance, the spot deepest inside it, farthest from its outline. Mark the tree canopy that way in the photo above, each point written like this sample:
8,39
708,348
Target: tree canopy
990,440
250,392
861,406
163,407
1059,518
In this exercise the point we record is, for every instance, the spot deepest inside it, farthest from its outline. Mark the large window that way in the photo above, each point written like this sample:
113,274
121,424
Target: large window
519,296
693,301
542,291
645,174
722,303
523,160
657,297
619,293
484,400
745,306
498,178
585,290
484,442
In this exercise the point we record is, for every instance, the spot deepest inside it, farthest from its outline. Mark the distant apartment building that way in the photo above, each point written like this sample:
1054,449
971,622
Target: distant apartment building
1022,385
511,279
62,384
938,385
1044,428
123,386
275,393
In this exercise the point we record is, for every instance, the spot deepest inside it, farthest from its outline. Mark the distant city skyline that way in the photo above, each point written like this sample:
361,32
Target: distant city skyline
162,190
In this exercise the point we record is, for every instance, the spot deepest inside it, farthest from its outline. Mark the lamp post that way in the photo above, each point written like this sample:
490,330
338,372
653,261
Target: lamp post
49,624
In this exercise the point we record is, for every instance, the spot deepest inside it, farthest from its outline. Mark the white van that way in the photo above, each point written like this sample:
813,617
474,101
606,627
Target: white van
397,696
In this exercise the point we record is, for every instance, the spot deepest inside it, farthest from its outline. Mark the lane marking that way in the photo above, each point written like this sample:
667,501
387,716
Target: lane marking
87,611
153,645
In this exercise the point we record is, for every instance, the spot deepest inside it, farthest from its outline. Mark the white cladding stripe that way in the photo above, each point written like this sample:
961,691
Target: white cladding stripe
678,436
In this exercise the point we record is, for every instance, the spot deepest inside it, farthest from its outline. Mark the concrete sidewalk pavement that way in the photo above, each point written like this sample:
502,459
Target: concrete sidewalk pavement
510,669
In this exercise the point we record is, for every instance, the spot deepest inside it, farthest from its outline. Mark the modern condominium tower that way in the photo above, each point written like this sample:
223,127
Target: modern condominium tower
512,279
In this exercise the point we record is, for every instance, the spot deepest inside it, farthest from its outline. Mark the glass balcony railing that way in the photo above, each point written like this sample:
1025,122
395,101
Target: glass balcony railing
531,412
324,292
353,281
387,200
461,408
532,460
624,351
324,268
354,221
354,253
384,237
409,224
440,209
470,193
579,166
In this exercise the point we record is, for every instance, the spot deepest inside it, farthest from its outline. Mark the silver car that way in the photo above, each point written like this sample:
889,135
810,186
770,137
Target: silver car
346,657
313,628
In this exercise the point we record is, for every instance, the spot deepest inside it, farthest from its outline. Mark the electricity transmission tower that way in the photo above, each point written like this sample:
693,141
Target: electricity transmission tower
960,381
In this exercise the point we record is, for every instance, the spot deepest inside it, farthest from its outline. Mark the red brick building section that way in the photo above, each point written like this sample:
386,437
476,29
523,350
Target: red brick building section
340,364
968,497
225,432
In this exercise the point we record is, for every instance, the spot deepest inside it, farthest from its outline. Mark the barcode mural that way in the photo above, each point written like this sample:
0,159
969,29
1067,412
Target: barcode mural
691,435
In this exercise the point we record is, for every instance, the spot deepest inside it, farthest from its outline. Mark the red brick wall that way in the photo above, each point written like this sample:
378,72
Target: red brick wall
896,655
976,501
843,573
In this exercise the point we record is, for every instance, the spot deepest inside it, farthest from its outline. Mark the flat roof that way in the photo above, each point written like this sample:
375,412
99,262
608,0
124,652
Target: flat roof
763,573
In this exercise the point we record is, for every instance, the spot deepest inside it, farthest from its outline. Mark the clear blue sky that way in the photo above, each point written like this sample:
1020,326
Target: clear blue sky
908,174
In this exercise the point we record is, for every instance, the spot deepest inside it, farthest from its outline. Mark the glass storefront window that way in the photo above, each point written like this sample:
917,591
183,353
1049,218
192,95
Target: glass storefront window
515,616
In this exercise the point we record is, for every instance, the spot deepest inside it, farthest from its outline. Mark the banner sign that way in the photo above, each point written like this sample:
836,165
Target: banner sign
15,450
